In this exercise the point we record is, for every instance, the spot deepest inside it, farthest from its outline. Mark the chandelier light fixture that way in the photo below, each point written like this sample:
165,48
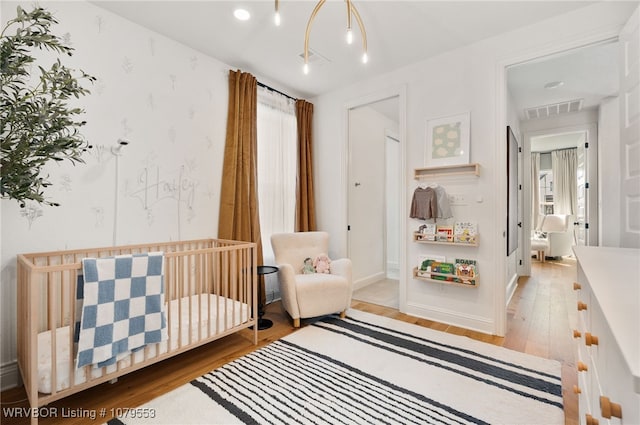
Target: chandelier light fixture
351,11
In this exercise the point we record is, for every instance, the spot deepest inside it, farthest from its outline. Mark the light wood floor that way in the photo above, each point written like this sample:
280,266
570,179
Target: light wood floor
540,317
385,292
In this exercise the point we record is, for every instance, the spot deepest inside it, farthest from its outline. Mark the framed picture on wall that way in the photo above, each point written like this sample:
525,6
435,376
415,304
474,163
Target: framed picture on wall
448,140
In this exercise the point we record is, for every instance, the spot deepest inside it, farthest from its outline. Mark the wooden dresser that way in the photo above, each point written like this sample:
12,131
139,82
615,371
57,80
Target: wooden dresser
608,335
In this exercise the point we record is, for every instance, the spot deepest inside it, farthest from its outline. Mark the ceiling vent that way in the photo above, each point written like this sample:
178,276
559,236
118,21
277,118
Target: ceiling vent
546,111
314,57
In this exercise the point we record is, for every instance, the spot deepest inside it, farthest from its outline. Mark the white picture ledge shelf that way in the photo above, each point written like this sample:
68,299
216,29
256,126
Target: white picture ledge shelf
447,170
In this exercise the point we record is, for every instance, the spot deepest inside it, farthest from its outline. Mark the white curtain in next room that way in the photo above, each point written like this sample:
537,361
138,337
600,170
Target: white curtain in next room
564,165
277,151
535,190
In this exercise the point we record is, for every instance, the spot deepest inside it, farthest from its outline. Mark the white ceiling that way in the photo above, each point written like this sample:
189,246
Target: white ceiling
589,73
399,33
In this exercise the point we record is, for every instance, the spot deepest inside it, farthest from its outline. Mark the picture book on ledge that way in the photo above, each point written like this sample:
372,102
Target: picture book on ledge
465,232
425,263
444,233
426,232
466,271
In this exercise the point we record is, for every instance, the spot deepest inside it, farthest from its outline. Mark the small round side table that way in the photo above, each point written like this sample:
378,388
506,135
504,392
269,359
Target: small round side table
263,323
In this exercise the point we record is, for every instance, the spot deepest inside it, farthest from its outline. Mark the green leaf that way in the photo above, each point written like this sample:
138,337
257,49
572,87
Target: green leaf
37,124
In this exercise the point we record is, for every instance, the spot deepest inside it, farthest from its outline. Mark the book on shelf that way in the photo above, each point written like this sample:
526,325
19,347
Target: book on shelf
425,262
466,271
465,232
435,269
444,268
426,232
444,233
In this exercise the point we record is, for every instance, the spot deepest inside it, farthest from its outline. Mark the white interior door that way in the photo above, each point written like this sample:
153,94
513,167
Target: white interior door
580,230
392,201
366,199
630,133
369,209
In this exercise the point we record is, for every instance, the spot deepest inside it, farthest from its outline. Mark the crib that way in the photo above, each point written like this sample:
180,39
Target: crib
210,292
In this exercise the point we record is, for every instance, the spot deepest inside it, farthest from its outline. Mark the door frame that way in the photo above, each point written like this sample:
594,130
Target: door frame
393,135
500,296
592,177
400,92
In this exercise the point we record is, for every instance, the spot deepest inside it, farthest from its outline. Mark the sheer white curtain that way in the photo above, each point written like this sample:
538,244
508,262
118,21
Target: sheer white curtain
564,165
277,170
535,190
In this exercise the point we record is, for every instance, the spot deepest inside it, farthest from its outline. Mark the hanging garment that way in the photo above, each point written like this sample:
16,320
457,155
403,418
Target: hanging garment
444,210
424,204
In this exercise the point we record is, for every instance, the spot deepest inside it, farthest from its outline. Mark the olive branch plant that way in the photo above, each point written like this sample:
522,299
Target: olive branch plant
38,123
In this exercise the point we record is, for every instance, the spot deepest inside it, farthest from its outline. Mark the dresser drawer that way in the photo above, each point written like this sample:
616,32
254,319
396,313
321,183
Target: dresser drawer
584,398
614,377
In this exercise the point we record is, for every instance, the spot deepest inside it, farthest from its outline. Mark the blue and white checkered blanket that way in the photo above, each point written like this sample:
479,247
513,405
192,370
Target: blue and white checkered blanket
122,307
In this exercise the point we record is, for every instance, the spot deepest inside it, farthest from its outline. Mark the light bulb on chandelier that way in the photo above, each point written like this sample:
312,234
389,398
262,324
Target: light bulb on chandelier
276,15
349,36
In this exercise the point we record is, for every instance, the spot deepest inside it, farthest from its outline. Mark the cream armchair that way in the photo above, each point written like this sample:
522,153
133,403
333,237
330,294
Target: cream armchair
558,236
559,230
315,294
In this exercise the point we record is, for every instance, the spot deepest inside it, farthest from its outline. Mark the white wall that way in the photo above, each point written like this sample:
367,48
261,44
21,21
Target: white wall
462,80
171,103
608,171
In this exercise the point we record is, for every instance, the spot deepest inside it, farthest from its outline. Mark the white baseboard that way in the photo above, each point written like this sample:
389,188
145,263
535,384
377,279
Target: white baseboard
511,288
393,271
361,283
9,376
451,317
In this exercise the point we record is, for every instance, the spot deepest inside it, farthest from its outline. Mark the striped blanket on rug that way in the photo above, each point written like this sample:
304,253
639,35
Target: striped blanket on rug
368,369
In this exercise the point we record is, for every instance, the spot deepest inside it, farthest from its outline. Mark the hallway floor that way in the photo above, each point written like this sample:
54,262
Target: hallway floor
384,292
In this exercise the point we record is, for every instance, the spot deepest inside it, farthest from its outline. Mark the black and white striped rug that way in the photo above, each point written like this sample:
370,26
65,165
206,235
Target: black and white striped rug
368,369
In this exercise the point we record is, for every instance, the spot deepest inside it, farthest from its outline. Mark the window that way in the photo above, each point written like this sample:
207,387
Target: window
546,192
277,166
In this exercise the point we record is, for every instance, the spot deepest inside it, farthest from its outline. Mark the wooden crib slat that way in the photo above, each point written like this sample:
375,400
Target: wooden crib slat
73,288
180,283
211,281
198,290
235,282
168,293
217,284
225,285
52,309
33,318
189,272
